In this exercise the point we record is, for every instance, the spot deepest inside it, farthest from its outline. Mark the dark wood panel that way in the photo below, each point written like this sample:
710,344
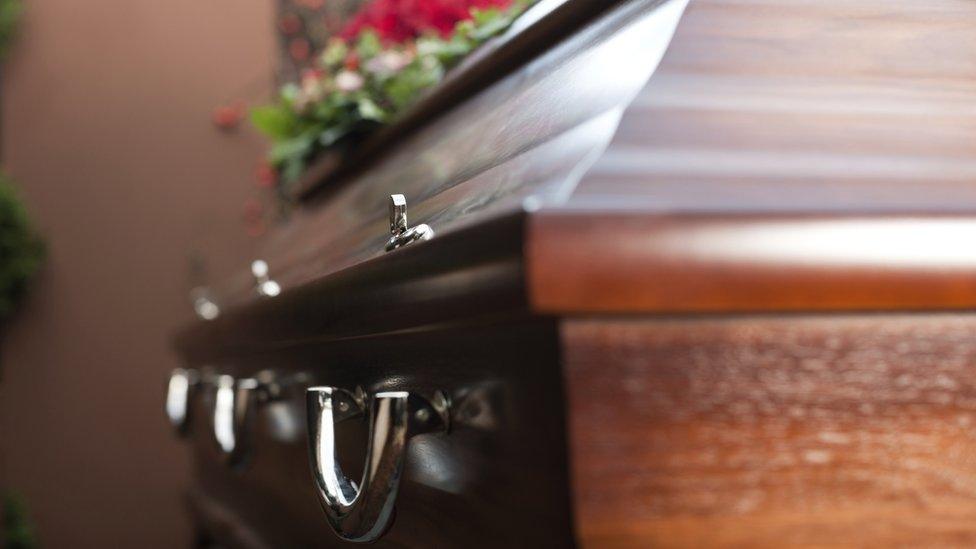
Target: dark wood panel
580,261
526,138
499,478
470,273
853,431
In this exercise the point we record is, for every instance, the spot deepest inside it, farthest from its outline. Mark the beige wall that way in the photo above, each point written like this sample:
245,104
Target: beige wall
105,123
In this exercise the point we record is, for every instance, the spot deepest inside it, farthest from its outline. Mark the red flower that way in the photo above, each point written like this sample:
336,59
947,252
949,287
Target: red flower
266,175
229,116
299,49
401,20
290,24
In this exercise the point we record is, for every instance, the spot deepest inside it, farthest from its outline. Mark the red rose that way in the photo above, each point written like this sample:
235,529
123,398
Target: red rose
401,20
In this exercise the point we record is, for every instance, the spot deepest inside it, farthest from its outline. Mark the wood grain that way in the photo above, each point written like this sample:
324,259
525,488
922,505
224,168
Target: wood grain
796,105
525,137
855,431
618,261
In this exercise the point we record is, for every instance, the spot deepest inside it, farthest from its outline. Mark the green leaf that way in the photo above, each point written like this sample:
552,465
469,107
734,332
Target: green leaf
369,110
407,85
292,170
287,150
288,94
368,44
21,251
335,53
488,23
446,51
275,121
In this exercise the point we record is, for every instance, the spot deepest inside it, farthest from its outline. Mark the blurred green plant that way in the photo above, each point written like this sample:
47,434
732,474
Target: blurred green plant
10,13
21,250
17,533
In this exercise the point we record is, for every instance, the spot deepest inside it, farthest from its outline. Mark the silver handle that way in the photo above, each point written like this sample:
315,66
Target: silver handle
363,513
233,405
401,233
180,391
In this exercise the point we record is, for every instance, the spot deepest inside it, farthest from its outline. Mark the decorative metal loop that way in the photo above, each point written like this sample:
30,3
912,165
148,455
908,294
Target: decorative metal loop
233,406
180,390
263,284
402,234
363,512
203,304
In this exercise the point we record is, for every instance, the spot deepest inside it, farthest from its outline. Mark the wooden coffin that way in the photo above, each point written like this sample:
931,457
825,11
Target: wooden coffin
726,302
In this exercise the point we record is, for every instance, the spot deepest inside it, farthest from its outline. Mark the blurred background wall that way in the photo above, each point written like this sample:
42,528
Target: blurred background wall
106,109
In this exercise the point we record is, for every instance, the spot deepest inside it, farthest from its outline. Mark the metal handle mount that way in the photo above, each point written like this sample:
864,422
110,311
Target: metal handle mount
363,512
401,233
180,390
235,401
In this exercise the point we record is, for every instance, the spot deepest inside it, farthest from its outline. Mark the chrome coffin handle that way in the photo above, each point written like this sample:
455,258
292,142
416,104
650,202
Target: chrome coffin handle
402,234
363,513
233,406
180,390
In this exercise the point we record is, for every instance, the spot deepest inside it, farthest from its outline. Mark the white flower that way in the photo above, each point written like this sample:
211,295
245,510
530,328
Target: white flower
388,62
311,90
349,81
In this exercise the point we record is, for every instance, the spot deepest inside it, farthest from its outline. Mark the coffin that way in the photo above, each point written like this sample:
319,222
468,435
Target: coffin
719,298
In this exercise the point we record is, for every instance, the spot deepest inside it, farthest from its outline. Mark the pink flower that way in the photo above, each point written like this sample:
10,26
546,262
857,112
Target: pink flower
349,81
312,89
389,62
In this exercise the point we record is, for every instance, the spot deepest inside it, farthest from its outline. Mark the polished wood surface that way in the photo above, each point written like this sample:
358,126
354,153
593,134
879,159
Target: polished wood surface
798,105
476,272
773,431
526,138
785,156
758,107
592,261
790,159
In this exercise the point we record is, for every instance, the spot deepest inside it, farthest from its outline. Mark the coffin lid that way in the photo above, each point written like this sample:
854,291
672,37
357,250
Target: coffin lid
753,171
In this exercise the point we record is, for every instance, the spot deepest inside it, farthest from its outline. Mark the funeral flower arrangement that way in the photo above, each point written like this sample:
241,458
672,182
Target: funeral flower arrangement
380,62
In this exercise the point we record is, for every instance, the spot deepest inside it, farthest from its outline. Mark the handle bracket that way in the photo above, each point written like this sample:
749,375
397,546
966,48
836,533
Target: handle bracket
362,512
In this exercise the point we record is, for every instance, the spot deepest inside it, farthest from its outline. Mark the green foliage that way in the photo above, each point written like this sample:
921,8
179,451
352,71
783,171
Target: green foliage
361,86
21,251
17,530
10,13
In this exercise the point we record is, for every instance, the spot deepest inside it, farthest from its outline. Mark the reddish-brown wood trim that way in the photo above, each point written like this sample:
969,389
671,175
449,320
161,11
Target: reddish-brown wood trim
772,431
631,262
